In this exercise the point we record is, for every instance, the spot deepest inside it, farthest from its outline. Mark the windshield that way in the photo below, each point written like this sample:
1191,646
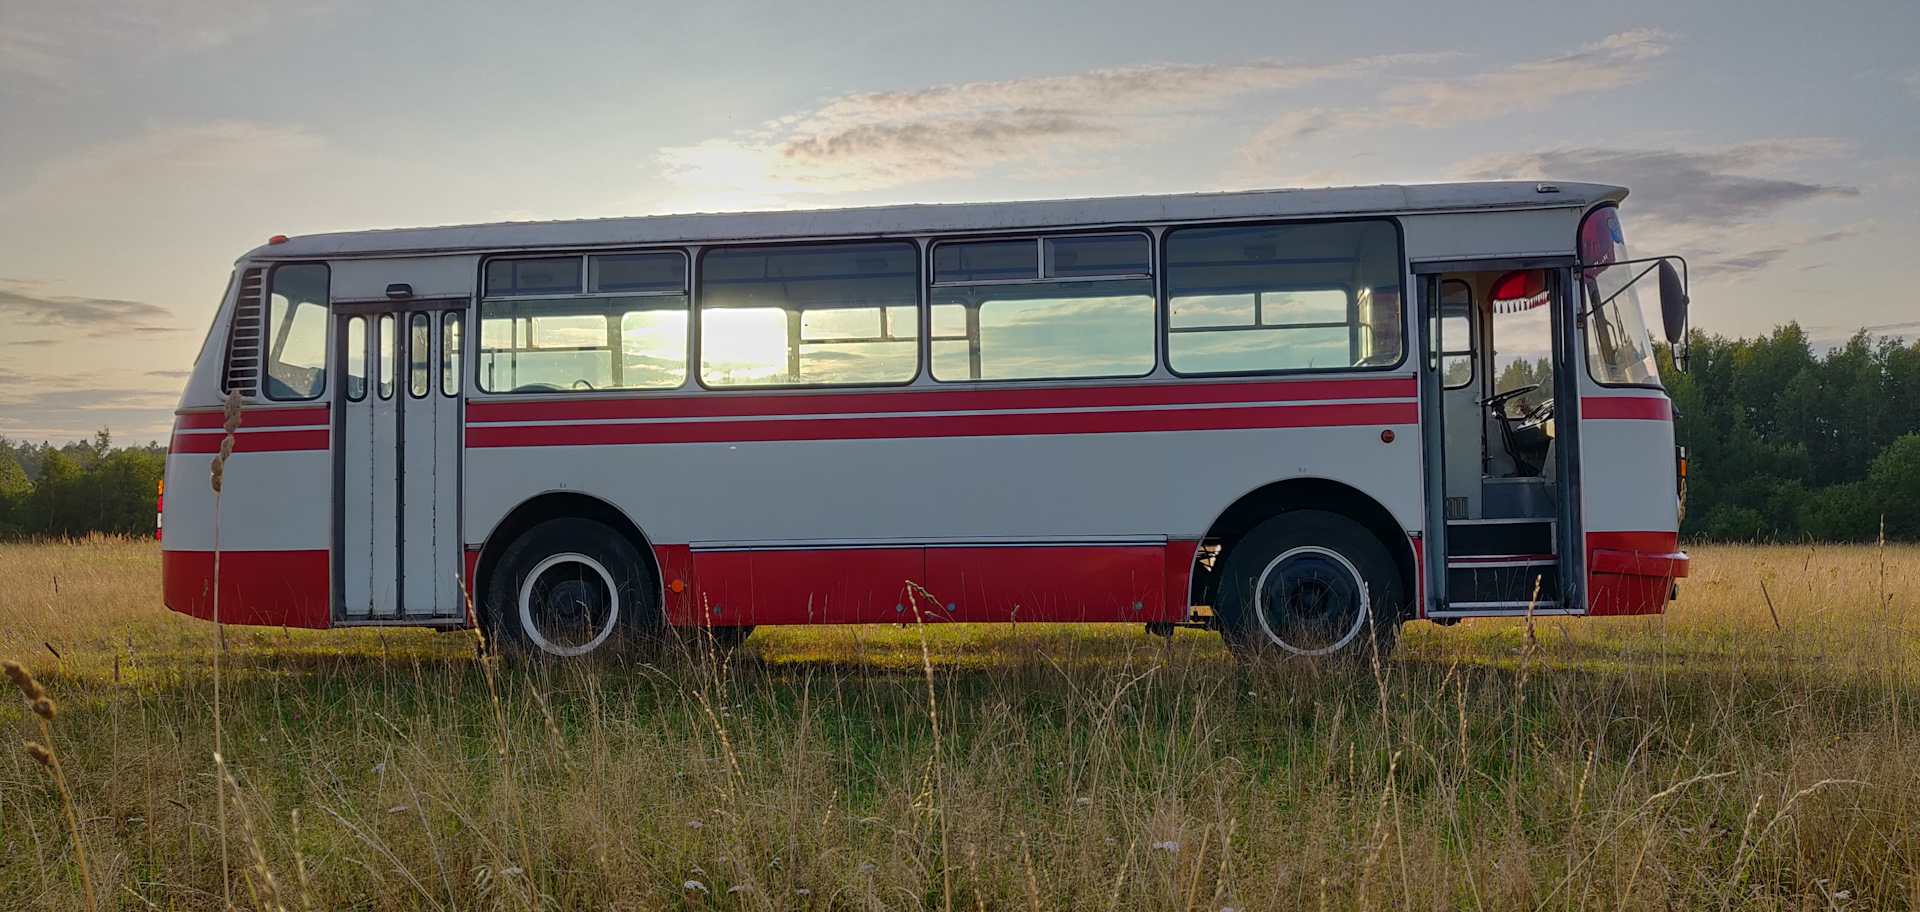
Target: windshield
1619,348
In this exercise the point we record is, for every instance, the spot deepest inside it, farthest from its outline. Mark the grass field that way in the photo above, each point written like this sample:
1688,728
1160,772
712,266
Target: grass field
1729,755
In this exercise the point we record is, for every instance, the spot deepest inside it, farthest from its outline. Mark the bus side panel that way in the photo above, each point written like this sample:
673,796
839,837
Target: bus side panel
269,588
273,518
1087,583
814,586
823,472
1631,505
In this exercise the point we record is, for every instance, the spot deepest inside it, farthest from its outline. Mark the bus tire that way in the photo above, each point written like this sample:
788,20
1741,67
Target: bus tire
571,587
1309,583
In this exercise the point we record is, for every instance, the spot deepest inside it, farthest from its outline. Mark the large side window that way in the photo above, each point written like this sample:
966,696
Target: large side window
823,314
297,332
1043,308
1284,298
613,321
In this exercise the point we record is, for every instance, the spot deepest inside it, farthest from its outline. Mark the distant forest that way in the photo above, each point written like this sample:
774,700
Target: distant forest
1784,445
86,486
1787,445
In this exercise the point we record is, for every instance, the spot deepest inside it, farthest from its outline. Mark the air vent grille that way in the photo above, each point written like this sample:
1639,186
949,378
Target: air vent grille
245,341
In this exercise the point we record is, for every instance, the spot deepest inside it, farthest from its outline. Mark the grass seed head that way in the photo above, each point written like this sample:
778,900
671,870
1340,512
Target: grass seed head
43,708
23,679
39,753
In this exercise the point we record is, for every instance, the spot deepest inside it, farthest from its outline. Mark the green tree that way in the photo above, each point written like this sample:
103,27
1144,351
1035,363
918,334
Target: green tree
1894,480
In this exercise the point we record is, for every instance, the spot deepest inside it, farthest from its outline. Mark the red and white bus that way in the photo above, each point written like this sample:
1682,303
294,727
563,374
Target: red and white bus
1300,417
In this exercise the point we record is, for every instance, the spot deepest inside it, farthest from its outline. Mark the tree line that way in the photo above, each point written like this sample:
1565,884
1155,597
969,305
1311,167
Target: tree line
82,487
1784,444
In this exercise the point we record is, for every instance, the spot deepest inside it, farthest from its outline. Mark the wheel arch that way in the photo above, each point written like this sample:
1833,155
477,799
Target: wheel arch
555,505
1312,493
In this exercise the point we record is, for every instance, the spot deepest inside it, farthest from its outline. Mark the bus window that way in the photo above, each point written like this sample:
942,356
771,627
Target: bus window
995,317
828,314
1456,333
1283,298
388,363
356,358
539,333
297,332
450,353
550,275
419,356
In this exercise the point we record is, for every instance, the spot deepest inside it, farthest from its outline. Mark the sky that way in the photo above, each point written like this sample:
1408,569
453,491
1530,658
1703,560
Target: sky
144,146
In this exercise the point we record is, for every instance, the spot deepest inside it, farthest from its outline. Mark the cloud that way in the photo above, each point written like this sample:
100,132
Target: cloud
1702,202
1711,187
26,302
51,42
1913,82
1433,104
884,139
1892,327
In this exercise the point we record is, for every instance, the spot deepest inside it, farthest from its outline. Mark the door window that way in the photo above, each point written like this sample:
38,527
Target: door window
420,354
389,358
1456,333
1522,338
356,358
450,353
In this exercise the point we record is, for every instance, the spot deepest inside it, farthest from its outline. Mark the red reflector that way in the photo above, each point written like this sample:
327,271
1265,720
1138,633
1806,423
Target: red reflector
277,239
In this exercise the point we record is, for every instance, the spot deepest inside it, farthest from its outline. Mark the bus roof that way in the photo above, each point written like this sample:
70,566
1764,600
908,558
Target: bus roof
941,218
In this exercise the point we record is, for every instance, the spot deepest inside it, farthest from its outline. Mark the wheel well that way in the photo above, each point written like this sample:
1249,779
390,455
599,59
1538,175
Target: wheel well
1266,502
553,505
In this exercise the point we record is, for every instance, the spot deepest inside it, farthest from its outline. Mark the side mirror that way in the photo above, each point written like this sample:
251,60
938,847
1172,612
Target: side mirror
1673,303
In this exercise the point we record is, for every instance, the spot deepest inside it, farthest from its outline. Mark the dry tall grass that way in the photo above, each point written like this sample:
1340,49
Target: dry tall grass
1710,759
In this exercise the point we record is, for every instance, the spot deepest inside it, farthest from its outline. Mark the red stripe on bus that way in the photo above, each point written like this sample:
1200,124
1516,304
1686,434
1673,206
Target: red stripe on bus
922,426
262,442
724,404
1626,408
305,416
270,588
1655,542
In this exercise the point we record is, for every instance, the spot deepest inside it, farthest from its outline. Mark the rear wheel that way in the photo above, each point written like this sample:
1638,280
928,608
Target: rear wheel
1309,583
572,587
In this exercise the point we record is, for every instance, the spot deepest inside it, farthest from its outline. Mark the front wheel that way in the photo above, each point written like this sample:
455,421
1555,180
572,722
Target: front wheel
571,587
1309,583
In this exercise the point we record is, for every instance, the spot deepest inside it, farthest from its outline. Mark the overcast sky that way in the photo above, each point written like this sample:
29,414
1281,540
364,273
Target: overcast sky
145,145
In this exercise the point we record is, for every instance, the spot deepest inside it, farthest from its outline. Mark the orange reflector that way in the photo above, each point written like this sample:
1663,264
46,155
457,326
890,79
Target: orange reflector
1386,436
677,585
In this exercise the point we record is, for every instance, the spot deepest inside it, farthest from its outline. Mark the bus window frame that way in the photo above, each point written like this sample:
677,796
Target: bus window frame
472,370
922,266
272,341
1153,278
1401,273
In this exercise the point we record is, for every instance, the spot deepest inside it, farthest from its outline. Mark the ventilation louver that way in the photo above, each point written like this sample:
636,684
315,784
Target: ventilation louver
244,343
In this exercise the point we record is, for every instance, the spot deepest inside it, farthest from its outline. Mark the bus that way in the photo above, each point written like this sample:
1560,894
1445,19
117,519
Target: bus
1300,418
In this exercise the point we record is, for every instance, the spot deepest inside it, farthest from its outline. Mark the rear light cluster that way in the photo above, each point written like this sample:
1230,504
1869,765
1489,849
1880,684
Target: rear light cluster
160,511
1680,478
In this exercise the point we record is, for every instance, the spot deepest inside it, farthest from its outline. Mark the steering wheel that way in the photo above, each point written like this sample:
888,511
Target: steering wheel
1497,400
1539,414
582,384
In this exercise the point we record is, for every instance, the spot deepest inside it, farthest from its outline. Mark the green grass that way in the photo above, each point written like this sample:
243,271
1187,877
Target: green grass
1705,759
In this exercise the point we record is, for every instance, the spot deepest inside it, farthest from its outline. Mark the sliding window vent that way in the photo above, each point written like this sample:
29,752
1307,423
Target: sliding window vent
244,341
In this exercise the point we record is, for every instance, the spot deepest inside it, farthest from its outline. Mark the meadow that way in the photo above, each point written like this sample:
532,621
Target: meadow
1756,748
